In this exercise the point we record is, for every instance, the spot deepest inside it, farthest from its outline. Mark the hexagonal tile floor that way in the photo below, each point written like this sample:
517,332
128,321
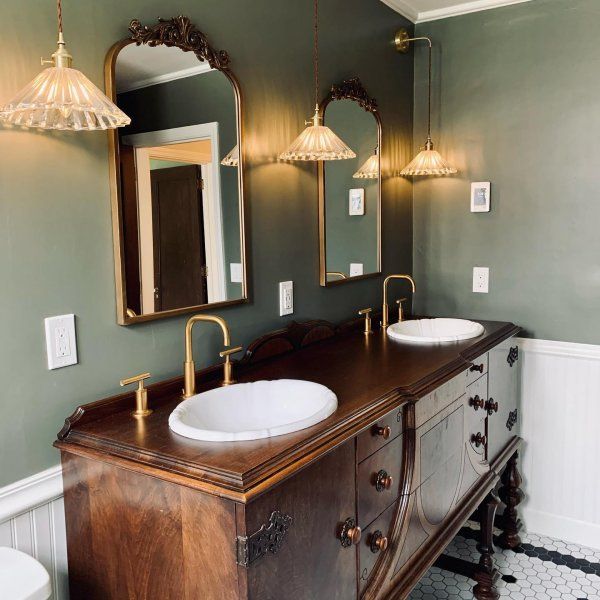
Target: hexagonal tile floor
540,569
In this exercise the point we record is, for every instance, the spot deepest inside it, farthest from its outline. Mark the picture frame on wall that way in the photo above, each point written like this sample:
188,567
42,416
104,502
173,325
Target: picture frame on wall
480,196
356,202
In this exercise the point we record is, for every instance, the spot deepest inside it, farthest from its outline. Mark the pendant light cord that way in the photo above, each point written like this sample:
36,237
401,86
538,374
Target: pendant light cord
59,15
316,52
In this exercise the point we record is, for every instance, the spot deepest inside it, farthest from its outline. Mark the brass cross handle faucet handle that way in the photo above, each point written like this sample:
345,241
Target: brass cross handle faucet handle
227,366
367,313
400,309
141,394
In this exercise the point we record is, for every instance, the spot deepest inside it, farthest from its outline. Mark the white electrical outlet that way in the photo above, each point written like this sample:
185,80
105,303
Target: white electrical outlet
481,280
356,269
286,298
235,271
61,344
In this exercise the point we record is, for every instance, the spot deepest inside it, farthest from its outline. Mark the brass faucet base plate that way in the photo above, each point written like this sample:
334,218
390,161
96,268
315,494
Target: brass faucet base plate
142,413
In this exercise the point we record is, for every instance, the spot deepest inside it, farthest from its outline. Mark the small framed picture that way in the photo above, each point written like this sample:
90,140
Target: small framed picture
357,202
480,196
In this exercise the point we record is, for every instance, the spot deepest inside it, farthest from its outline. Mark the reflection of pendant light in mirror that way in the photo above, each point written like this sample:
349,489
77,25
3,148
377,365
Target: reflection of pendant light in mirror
428,161
317,142
233,158
62,98
370,169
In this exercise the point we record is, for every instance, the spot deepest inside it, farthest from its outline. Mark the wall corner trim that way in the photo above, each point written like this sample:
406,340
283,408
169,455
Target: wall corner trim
23,495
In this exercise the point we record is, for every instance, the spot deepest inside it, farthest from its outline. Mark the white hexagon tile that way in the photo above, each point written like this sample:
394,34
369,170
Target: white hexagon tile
540,569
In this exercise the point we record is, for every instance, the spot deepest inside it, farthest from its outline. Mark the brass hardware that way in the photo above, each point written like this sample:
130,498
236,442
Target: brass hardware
384,432
141,394
367,313
476,402
491,407
131,312
475,368
385,320
227,366
337,274
189,369
383,481
351,533
402,40
400,311
479,439
379,542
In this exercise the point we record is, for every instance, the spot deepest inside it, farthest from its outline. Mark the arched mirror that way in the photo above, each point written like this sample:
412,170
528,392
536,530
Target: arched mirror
350,190
177,174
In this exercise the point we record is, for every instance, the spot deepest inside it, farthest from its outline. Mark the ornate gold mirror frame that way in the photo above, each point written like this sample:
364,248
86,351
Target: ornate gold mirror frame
176,32
349,89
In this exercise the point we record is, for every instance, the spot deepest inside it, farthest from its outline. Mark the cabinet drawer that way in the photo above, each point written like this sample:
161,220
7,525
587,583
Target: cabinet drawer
431,405
372,543
477,369
375,491
475,414
379,434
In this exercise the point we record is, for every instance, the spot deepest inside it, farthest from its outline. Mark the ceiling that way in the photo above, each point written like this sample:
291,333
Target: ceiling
419,11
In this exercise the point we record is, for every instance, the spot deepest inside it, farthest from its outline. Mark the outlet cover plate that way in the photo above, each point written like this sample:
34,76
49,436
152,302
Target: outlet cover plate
61,343
481,280
286,298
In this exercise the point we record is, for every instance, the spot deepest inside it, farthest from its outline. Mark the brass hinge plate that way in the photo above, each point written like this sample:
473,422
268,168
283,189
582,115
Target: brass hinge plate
269,538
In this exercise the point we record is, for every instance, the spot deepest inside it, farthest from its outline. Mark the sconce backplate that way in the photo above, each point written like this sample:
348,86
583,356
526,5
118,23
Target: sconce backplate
401,40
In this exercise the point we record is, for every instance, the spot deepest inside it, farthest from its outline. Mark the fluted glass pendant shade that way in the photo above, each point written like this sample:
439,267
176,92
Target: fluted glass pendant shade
370,169
233,158
428,162
63,98
317,142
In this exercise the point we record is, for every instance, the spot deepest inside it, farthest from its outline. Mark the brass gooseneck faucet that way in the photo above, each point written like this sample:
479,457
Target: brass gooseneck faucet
189,369
385,317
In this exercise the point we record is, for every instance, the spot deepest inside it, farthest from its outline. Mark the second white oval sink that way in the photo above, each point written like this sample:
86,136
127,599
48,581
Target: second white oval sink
252,411
431,331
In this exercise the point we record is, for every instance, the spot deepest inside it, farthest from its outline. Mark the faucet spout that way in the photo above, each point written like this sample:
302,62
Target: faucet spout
189,368
385,308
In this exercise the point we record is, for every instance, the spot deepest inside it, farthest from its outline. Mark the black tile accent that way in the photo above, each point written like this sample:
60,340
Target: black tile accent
509,578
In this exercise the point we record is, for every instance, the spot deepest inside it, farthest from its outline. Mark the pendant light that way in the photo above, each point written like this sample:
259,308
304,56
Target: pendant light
317,142
370,169
232,159
428,161
61,97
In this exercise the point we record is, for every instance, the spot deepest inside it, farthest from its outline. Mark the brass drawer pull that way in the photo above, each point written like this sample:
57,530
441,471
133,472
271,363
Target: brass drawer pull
350,534
383,481
478,367
491,407
379,542
479,439
384,432
476,402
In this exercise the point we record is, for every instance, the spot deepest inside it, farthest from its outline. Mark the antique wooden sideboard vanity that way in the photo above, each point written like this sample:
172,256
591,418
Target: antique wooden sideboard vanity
357,506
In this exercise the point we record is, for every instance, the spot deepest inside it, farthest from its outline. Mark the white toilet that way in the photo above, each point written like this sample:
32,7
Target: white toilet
22,577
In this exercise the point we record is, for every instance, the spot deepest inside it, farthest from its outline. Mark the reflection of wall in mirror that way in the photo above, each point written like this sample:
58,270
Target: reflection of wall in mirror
350,239
204,98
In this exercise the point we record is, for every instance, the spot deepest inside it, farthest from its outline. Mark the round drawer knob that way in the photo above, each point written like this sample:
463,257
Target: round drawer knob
384,432
351,533
379,542
478,439
383,481
491,407
474,368
476,402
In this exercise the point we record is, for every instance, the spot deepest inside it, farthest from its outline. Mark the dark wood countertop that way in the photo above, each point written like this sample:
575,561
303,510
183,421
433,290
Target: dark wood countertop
370,375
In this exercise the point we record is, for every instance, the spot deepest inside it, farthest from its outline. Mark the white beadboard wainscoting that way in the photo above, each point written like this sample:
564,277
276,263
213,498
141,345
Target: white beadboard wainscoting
32,519
560,413
560,410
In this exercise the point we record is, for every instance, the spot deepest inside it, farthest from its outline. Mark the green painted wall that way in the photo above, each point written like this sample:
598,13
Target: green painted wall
520,107
55,224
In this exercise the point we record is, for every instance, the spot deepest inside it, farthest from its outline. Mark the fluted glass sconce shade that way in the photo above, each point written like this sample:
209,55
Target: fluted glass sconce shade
233,158
428,162
61,97
317,142
370,169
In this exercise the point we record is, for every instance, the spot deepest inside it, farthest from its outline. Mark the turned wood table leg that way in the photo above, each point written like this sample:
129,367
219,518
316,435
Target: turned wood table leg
485,573
511,495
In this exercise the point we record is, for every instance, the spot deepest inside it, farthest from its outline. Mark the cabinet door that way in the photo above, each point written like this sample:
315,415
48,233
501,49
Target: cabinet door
311,562
503,382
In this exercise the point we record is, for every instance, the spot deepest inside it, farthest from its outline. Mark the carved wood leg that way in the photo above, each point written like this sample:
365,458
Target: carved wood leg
486,574
511,495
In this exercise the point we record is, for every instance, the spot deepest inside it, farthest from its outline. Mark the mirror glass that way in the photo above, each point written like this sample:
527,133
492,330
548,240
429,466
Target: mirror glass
350,196
179,189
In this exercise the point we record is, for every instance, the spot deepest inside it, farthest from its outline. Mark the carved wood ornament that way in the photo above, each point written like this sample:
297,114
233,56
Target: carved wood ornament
352,89
179,32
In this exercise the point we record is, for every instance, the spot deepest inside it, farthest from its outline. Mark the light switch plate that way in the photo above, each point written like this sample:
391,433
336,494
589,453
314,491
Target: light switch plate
356,269
481,280
286,298
235,271
61,343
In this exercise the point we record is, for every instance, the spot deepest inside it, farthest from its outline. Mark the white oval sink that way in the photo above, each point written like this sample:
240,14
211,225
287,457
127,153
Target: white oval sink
432,331
252,411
